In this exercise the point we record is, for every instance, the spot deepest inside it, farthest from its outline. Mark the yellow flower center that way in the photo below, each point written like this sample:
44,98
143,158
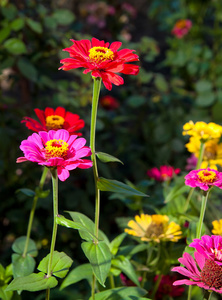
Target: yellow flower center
181,24
207,176
56,148
154,230
100,54
54,122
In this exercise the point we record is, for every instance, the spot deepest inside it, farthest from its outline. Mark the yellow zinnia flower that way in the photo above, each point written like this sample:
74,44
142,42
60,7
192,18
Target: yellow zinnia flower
212,155
217,227
202,130
154,228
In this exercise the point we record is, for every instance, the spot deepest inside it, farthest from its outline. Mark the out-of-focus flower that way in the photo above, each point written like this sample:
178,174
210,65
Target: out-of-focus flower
56,149
202,130
181,28
128,282
217,228
55,119
191,163
109,102
212,155
203,272
165,173
166,287
154,228
204,179
101,60
210,247
131,10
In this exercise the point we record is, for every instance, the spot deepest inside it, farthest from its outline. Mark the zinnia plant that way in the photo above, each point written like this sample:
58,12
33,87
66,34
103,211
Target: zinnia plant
154,228
54,119
57,150
164,173
101,60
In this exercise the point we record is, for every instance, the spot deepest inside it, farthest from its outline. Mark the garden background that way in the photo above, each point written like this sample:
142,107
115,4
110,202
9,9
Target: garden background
180,79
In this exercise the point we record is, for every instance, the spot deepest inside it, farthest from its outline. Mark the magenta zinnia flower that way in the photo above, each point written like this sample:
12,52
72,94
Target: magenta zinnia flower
204,179
181,28
51,119
101,60
203,272
166,287
209,247
165,173
56,149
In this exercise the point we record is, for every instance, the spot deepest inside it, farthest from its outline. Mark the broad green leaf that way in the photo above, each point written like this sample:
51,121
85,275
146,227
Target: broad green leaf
4,33
115,186
19,245
22,266
161,83
32,283
27,69
114,245
136,101
4,295
104,157
99,257
60,264
15,46
17,24
63,16
79,273
35,26
205,99
203,86
86,234
175,192
27,192
120,293
89,224
9,11
126,267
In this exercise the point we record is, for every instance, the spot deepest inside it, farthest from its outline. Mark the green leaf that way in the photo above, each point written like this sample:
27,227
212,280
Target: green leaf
114,245
136,101
42,194
126,267
99,257
63,16
22,266
205,99
27,69
129,250
203,86
60,264
9,11
15,46
4,295
35,26
27,192
17,24
79,273
104,157
115,186
161,83
19,245
120,293
4,33
32,283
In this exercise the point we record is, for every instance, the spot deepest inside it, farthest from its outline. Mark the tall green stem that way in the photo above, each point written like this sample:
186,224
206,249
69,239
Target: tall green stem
54,231
202,213
95,100
32,212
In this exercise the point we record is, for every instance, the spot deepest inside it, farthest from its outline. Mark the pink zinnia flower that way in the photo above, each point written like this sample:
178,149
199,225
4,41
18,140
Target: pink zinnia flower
56,149
165,173
101,60
51,119
204,179
205,273
209,247
109,102
166,287
181,28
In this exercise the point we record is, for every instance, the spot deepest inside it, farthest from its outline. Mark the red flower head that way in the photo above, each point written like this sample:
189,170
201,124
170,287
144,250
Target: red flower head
55,119
165,173
166,287
109,102
181,28
101,60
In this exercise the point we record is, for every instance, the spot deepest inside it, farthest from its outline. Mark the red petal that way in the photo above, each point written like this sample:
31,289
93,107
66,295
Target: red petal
40,114
60,111
115,46
130,69
49,111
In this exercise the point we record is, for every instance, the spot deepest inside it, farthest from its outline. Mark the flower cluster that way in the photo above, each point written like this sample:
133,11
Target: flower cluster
164,173
154,228
181,28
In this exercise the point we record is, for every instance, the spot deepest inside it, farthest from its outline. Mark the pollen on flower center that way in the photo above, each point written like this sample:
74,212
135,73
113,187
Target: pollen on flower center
100,54
54,122
211,274
56,148
207,176
155,229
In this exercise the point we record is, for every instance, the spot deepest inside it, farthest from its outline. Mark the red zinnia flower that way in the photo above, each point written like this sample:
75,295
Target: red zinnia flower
109,102
181,28
165,173
101,60
166,287
55,119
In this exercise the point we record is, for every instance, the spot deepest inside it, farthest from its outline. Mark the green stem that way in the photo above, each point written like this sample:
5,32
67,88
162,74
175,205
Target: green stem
157,283
95,100
54,231
112,282
93,286
202,212
188,199
189,292
32,212
200,158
